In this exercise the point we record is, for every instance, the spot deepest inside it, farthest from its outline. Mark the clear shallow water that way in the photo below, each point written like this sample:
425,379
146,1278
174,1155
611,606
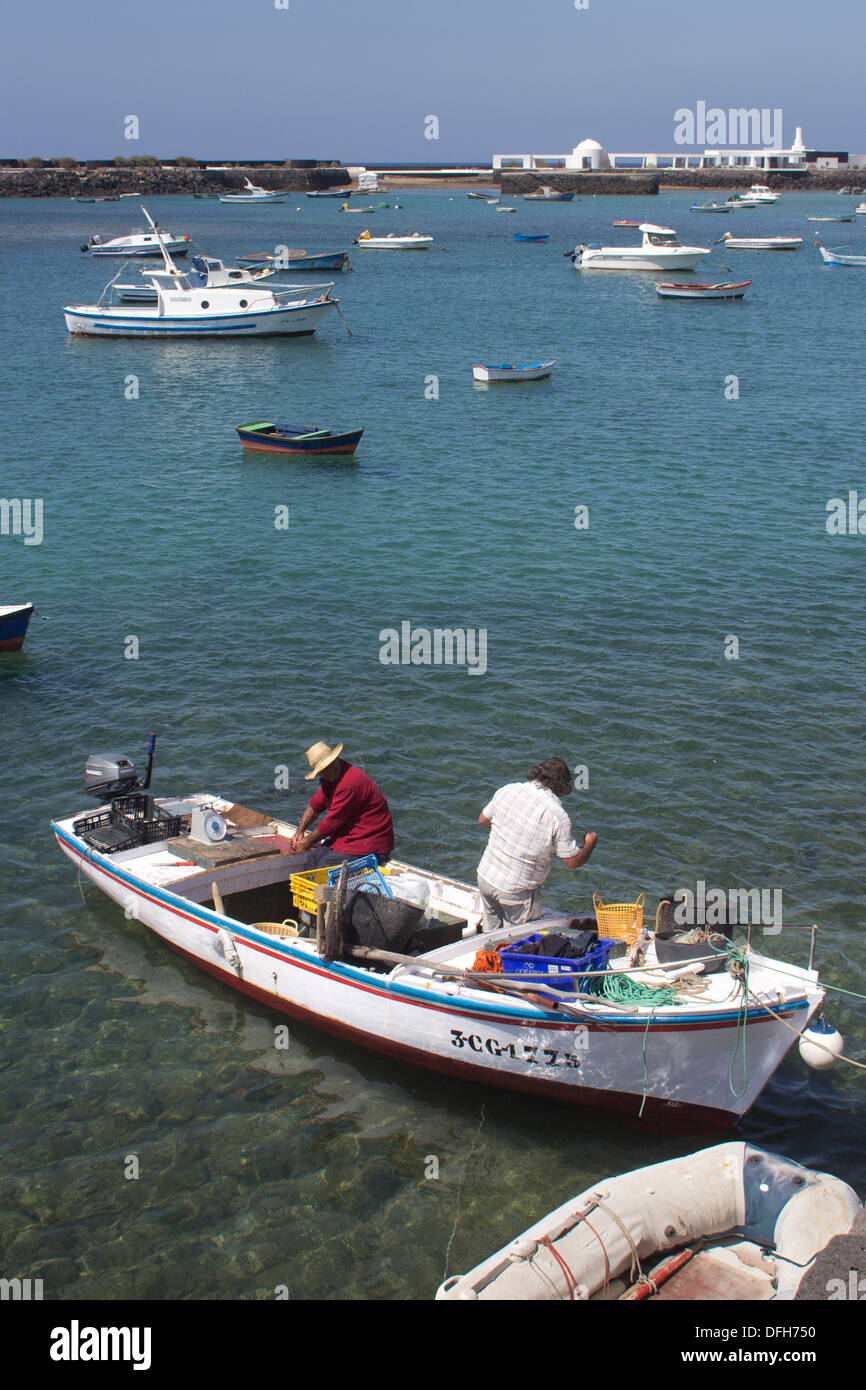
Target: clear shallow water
707,518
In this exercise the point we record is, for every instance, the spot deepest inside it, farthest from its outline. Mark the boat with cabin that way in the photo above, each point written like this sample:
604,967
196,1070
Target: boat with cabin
660,249
253,195
513,371
139,243
263,437
732,1222
404,967
762,193
14,622
206,271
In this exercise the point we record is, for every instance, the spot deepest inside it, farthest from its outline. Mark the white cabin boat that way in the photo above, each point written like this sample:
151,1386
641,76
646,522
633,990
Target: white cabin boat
731,1223
185,308
760,193
255,195
761,243
206,271
137,244
660,249
706,1054
413,241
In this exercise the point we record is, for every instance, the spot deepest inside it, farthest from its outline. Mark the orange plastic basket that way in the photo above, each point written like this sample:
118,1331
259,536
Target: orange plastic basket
621,921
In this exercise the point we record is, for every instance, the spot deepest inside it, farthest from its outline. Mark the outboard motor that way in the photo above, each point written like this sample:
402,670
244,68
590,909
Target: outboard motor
107,775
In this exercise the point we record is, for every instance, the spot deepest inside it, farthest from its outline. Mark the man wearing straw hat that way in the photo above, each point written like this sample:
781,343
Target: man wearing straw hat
357,821
528,825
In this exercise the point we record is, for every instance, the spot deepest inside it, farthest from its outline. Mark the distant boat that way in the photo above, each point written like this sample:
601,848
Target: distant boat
137,244
491,201
14,622
296,259
526,236
330,193
484,196
840,257
707,207
760,193
660,249
761,243
625,223
295,439
849,217
671,290
346,208
413,241
742,200
526,371
253,194
546,194
860,209
506,209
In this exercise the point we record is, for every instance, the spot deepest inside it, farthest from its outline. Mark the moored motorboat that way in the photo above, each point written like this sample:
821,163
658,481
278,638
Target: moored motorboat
670,290
142,243
412,241
369,210
841,257
708,207
253,194
513,371
14,622
731,1222
207,271
669,1053
262,436
660,249
761,193
546,194
761,243
329,193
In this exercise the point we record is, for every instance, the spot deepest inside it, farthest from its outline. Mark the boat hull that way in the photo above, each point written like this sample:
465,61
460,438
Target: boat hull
673,1067
14,622
289,321
275,444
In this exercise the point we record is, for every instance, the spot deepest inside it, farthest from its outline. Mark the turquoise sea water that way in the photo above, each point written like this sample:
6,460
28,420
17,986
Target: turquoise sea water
605,646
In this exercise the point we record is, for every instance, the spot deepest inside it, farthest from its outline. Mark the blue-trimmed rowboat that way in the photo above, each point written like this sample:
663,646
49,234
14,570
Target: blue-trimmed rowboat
526,371
705,1055
14,622
526,236
297,260
296,439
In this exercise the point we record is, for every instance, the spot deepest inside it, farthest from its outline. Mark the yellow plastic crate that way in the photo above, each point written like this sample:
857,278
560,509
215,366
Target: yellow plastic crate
303,888
622,921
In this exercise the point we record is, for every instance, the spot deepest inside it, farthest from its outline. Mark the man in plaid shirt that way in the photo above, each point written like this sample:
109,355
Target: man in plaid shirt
528,825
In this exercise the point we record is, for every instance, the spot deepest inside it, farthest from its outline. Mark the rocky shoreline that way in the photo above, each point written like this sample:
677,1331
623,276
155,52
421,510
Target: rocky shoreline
148,182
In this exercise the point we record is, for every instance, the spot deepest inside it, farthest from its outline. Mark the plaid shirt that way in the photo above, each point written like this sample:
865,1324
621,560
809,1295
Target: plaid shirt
529,827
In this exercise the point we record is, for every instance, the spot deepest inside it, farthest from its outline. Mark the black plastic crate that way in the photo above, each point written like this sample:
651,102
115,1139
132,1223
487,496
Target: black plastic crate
134,806
129,822
103,833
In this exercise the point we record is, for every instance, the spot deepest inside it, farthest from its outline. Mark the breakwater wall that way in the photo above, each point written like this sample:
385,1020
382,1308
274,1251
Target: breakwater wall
146,182
651,180
619,185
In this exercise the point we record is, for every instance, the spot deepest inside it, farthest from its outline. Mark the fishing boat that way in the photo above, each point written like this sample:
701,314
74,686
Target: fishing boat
215,881
330,193
526,371
526,236
508,209
370,210
625,222
413,241
140,243
761,243
761,193
14,622
849,217
660,249
840,257
546,194
292,258
669,290
264,437
207,271
741,200
254,195
732,1223
707,207
187,309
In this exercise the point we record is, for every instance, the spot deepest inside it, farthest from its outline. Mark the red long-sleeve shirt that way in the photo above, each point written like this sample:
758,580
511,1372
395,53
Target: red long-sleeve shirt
358,821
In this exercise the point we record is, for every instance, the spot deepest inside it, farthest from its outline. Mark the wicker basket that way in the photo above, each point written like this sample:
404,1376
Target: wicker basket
620,921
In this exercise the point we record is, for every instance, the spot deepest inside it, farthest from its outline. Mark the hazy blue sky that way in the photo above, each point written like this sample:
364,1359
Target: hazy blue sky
352,81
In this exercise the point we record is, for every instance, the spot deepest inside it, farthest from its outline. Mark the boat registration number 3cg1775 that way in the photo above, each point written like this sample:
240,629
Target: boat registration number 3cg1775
549,1056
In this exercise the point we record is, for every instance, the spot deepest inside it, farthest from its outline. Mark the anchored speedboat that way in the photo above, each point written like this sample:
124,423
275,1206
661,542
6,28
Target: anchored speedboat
660,249
215,880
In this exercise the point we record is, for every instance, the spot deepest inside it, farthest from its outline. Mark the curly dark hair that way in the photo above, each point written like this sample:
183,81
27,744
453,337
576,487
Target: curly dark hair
554,774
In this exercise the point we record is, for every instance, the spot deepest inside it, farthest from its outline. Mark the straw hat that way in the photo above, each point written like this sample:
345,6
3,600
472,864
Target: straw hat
321,756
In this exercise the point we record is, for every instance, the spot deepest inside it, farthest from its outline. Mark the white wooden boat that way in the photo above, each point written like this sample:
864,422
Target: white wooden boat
210,902
761,243
252,194
528,371
840,257
186,309
729,1223
707,207
413,241
206,271
660,249
670,290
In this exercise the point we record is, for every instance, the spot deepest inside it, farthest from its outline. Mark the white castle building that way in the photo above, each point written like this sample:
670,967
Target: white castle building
589,155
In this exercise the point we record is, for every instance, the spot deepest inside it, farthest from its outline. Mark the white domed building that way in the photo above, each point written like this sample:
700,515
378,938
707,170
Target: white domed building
589,154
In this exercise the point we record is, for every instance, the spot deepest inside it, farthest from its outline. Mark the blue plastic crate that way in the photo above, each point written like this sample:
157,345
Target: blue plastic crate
565,974
363,874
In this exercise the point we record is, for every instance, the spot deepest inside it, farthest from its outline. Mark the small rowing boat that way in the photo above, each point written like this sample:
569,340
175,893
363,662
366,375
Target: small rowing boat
731,1222
707,207
671,290
14,622
413,241
761,243
296,439
526,371
840,257
546,194
624,222
527,236
849,217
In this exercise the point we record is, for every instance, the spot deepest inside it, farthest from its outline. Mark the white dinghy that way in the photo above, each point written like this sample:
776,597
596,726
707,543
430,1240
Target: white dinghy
704,1046
413,241
728,1223
761,243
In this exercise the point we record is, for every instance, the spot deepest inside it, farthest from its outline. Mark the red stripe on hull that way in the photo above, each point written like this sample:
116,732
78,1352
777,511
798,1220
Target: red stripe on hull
12,644
280,449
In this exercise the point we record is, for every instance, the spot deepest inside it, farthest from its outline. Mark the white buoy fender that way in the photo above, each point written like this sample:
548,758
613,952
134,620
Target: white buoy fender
821,1045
